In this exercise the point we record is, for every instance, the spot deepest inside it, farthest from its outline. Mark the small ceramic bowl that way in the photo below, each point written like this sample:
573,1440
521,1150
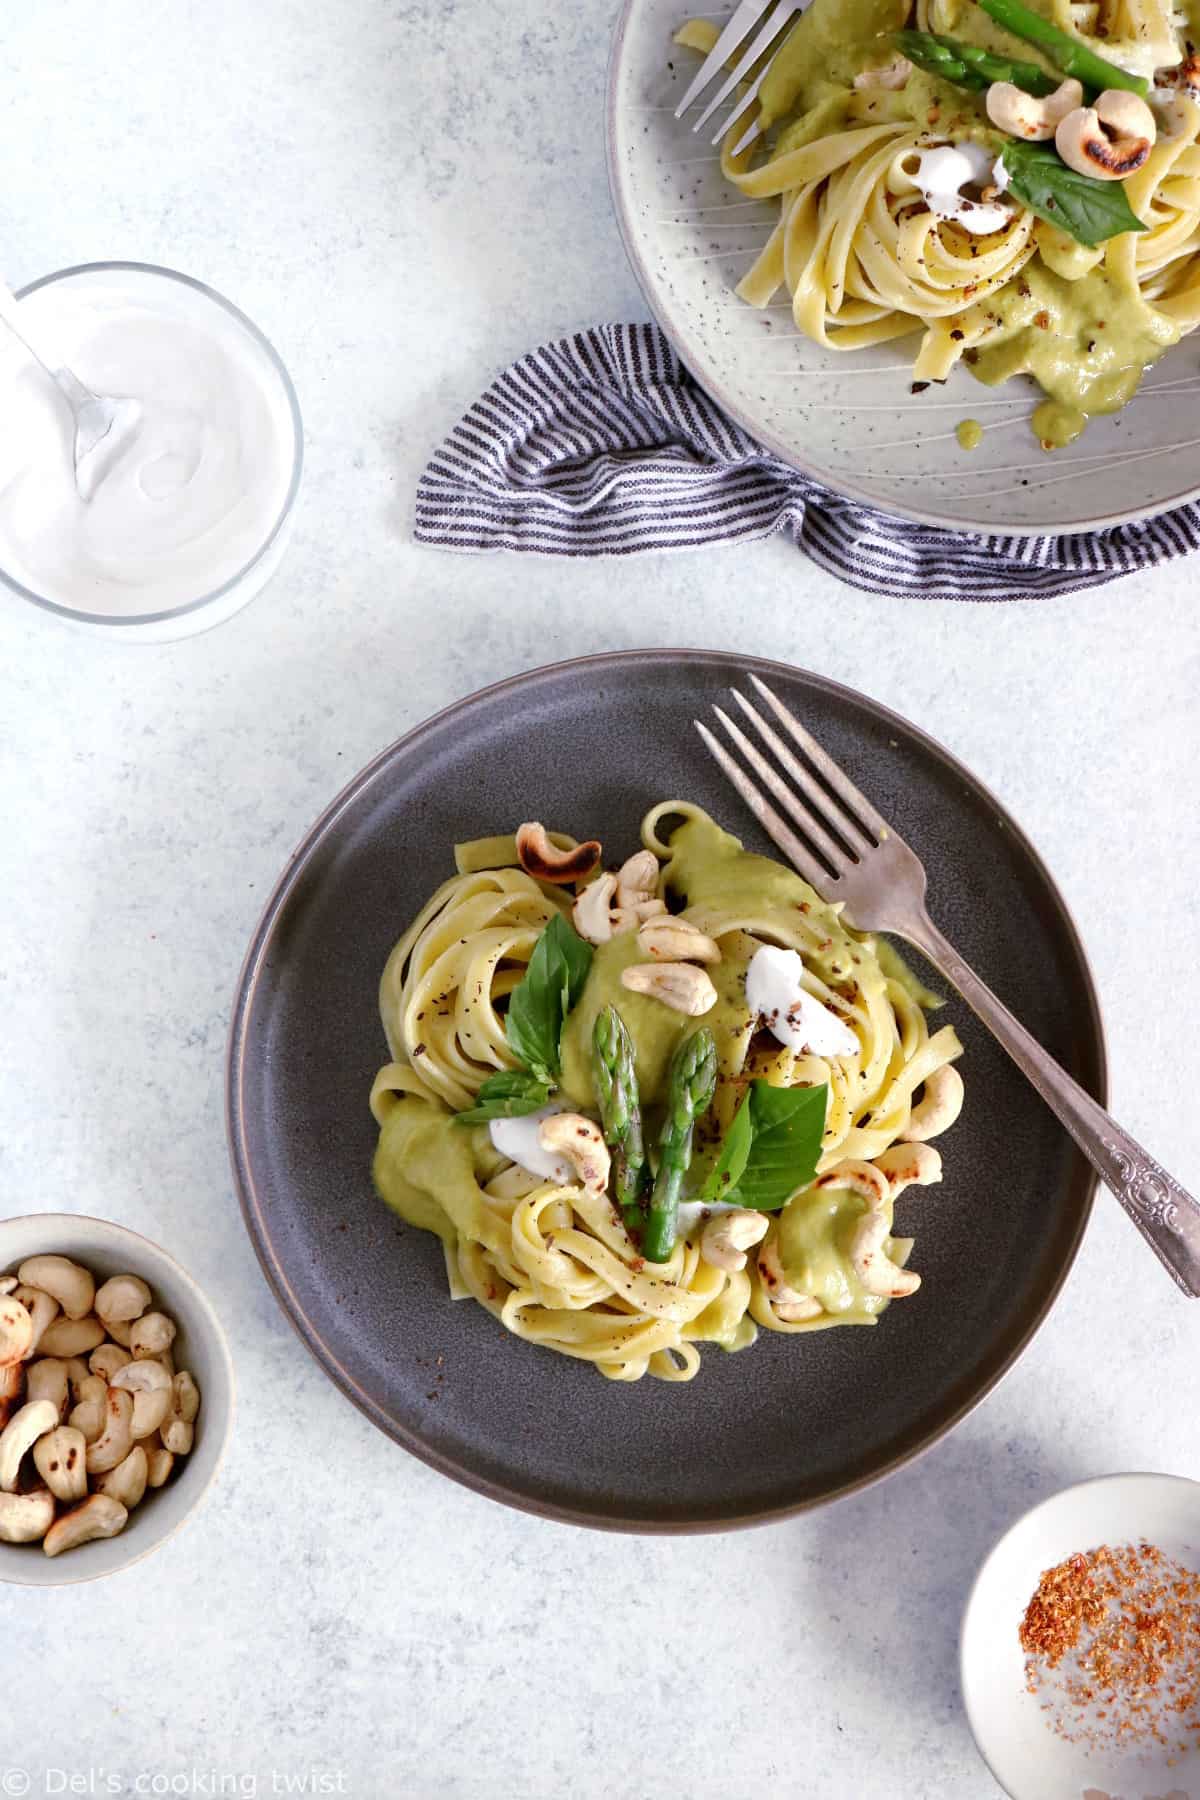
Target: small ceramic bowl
107,1249
1024,1753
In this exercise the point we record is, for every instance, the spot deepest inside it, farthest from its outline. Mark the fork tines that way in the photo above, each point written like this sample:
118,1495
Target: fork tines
838,823
778,14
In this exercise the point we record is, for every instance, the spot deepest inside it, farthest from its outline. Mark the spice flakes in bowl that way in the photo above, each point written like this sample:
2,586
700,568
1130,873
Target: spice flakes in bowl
1080,1652
93,1411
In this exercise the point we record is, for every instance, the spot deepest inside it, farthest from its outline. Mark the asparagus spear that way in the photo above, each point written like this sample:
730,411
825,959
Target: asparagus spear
690,1088
970,67
620,1111
1065,51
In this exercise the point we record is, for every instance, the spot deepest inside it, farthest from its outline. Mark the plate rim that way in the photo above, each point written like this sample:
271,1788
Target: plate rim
845,486
250,979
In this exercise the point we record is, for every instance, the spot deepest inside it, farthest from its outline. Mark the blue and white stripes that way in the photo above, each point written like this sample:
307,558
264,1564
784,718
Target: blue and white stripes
603,445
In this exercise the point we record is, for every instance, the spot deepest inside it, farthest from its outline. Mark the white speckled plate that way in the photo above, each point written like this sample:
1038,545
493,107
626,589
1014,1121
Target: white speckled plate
850,420
1028,1758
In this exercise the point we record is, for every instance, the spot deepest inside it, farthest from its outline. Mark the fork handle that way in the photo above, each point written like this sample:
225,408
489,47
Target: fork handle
1167,1217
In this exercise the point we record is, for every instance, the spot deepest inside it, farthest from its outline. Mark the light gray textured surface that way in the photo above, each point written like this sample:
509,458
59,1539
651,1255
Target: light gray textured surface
404,197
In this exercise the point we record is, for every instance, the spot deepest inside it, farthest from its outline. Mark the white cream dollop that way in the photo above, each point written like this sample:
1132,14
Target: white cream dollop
519,1140
775,991
941,175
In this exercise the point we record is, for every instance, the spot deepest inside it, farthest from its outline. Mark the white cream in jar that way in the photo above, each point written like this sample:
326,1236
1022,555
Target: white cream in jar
193,504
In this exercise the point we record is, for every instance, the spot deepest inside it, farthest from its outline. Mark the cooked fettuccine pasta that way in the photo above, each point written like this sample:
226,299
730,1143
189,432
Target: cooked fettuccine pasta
1017,183
658,1106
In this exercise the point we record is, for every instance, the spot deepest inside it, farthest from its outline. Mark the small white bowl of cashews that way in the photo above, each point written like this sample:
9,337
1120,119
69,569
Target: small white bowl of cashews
116,1398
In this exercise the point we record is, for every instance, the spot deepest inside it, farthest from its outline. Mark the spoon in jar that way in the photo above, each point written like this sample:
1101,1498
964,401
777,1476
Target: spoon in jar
105,425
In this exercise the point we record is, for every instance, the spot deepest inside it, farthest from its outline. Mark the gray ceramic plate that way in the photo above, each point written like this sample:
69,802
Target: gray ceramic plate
589,745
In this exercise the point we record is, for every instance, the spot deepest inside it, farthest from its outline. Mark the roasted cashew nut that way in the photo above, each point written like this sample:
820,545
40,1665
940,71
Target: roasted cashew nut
861,1178
727,1237
620,902
1023,116
16,1332
787,1302
874,1268
150,1386
671,939
152,1335
592,912
938,1108
681,986
26,1518
27,1425
159,1463
122,1298
12,1381
65,1281
90,1412
107,1360
46,1379
99,1517
1110,140
569,1135
546,862
42,1308
909,1165
116,1440
128,1481
72,1337
61,1460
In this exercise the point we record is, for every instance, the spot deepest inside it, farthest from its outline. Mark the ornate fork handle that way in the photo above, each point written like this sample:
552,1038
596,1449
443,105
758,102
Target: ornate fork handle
1165,1214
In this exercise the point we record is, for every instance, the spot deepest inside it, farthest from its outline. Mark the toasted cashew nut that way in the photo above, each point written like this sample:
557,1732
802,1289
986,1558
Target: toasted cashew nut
25,1518
909,1165
150,1386
578,1140
64,1280
12,1382
591,914
786,1301
176,1433
1109,140
16,1331
127,1482
1023,116
152,1334
27,1425
72,1337
861,1178
875,1270
939,1106
107,1360
546,862
90,1412
46,1379
122,1297
681,986
677,940
60,1459
99,1517
42,1308
78,1374
725,1239
637,879
893,74
159,1462
120,1331
116,1440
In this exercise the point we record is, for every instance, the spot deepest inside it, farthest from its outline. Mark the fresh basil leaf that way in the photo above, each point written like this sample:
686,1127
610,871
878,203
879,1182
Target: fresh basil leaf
1088,210
785,1130
538,1007
735,1152
509,1095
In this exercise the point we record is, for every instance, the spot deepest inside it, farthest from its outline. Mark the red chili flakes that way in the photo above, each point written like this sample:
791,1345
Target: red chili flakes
1112,1644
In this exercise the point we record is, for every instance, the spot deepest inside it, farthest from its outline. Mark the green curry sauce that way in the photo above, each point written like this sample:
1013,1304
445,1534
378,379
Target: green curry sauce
428,1169
1086,341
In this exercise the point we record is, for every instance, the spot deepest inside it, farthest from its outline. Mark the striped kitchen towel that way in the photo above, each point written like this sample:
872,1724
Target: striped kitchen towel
602,445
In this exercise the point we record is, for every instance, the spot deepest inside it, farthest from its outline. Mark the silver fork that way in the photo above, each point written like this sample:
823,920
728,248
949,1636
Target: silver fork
849,853
779,14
